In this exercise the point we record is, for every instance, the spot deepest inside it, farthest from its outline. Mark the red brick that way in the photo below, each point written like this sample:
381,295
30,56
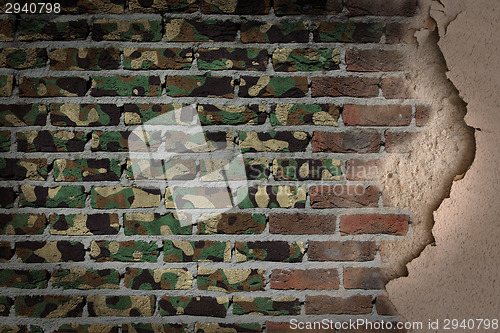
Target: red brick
392,224
422,115
297,224
376,115
345,86
346,142
399,142
374,60
363,169
363,278
318,279
396,88
381,7
384,306
398,33
323,304
344,196
341,251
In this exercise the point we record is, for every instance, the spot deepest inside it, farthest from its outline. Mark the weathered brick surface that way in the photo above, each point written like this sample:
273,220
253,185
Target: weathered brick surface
265,32
374,224
377,115
342,196
353,305
346,142
341,251
363,278
298,224
345,86
266,306
19,115
321,279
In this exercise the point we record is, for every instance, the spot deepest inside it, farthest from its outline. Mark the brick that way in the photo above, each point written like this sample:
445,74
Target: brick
6,84
164,114
203,306
384,306
84,114
381,7
341,251
266,306
186,251
280,251
373,60
86,328
288,114
265,32
49,252
231,224
400,142
348,86
272,197
6,252
232,58
18,115
7,31
230,280
81,59
392,224
21,328
172,169
121,306
84,224
35,30
126,86
22,224
51,141
153,327
344,196
7,197
49,306
363,278
273,86
306,169
52,86
86,170
145,141
377,115
215,114
363,170
52,197
299,7
257,168
4,141
400,33
197,30
195,197
422,115
23,169
18,58
354,305
24,279
346,142
124,197
306,60
5,305
85,279
148,58
130,31
396,88
161,6
220,327
156,279
240,7
155,224
273,141
347,32
199,86
316,279
92,7
124,251
286,327
301,223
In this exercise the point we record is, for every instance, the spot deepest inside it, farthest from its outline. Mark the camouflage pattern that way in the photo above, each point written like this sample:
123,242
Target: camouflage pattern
86,328
52,197
124,197
51,141
7,31
49,306
126,141
6,84
269,251
186,251
5,305
4,141
198,198
84,114
299,7
125,251
161,6
121,306
266,306
52,86
173,169
24,169
156,224
194,306
59,31
293,60
272,197
85,279
20,329
93,7
22,58
6,251
241,7
7,197
132,31
199,86
147,58
177,141
227,328
22,224
231,58
83,224
215,114
154,328
171,114
24,279
267,86
23,114
197,30
273,141
125,86
231,224
288,114
86,170
47,252
222,169
82,59
306,169
154,279
230,280
257,168
348,32
265,32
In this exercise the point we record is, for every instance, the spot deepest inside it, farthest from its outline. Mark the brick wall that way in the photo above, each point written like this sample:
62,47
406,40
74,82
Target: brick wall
314,93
